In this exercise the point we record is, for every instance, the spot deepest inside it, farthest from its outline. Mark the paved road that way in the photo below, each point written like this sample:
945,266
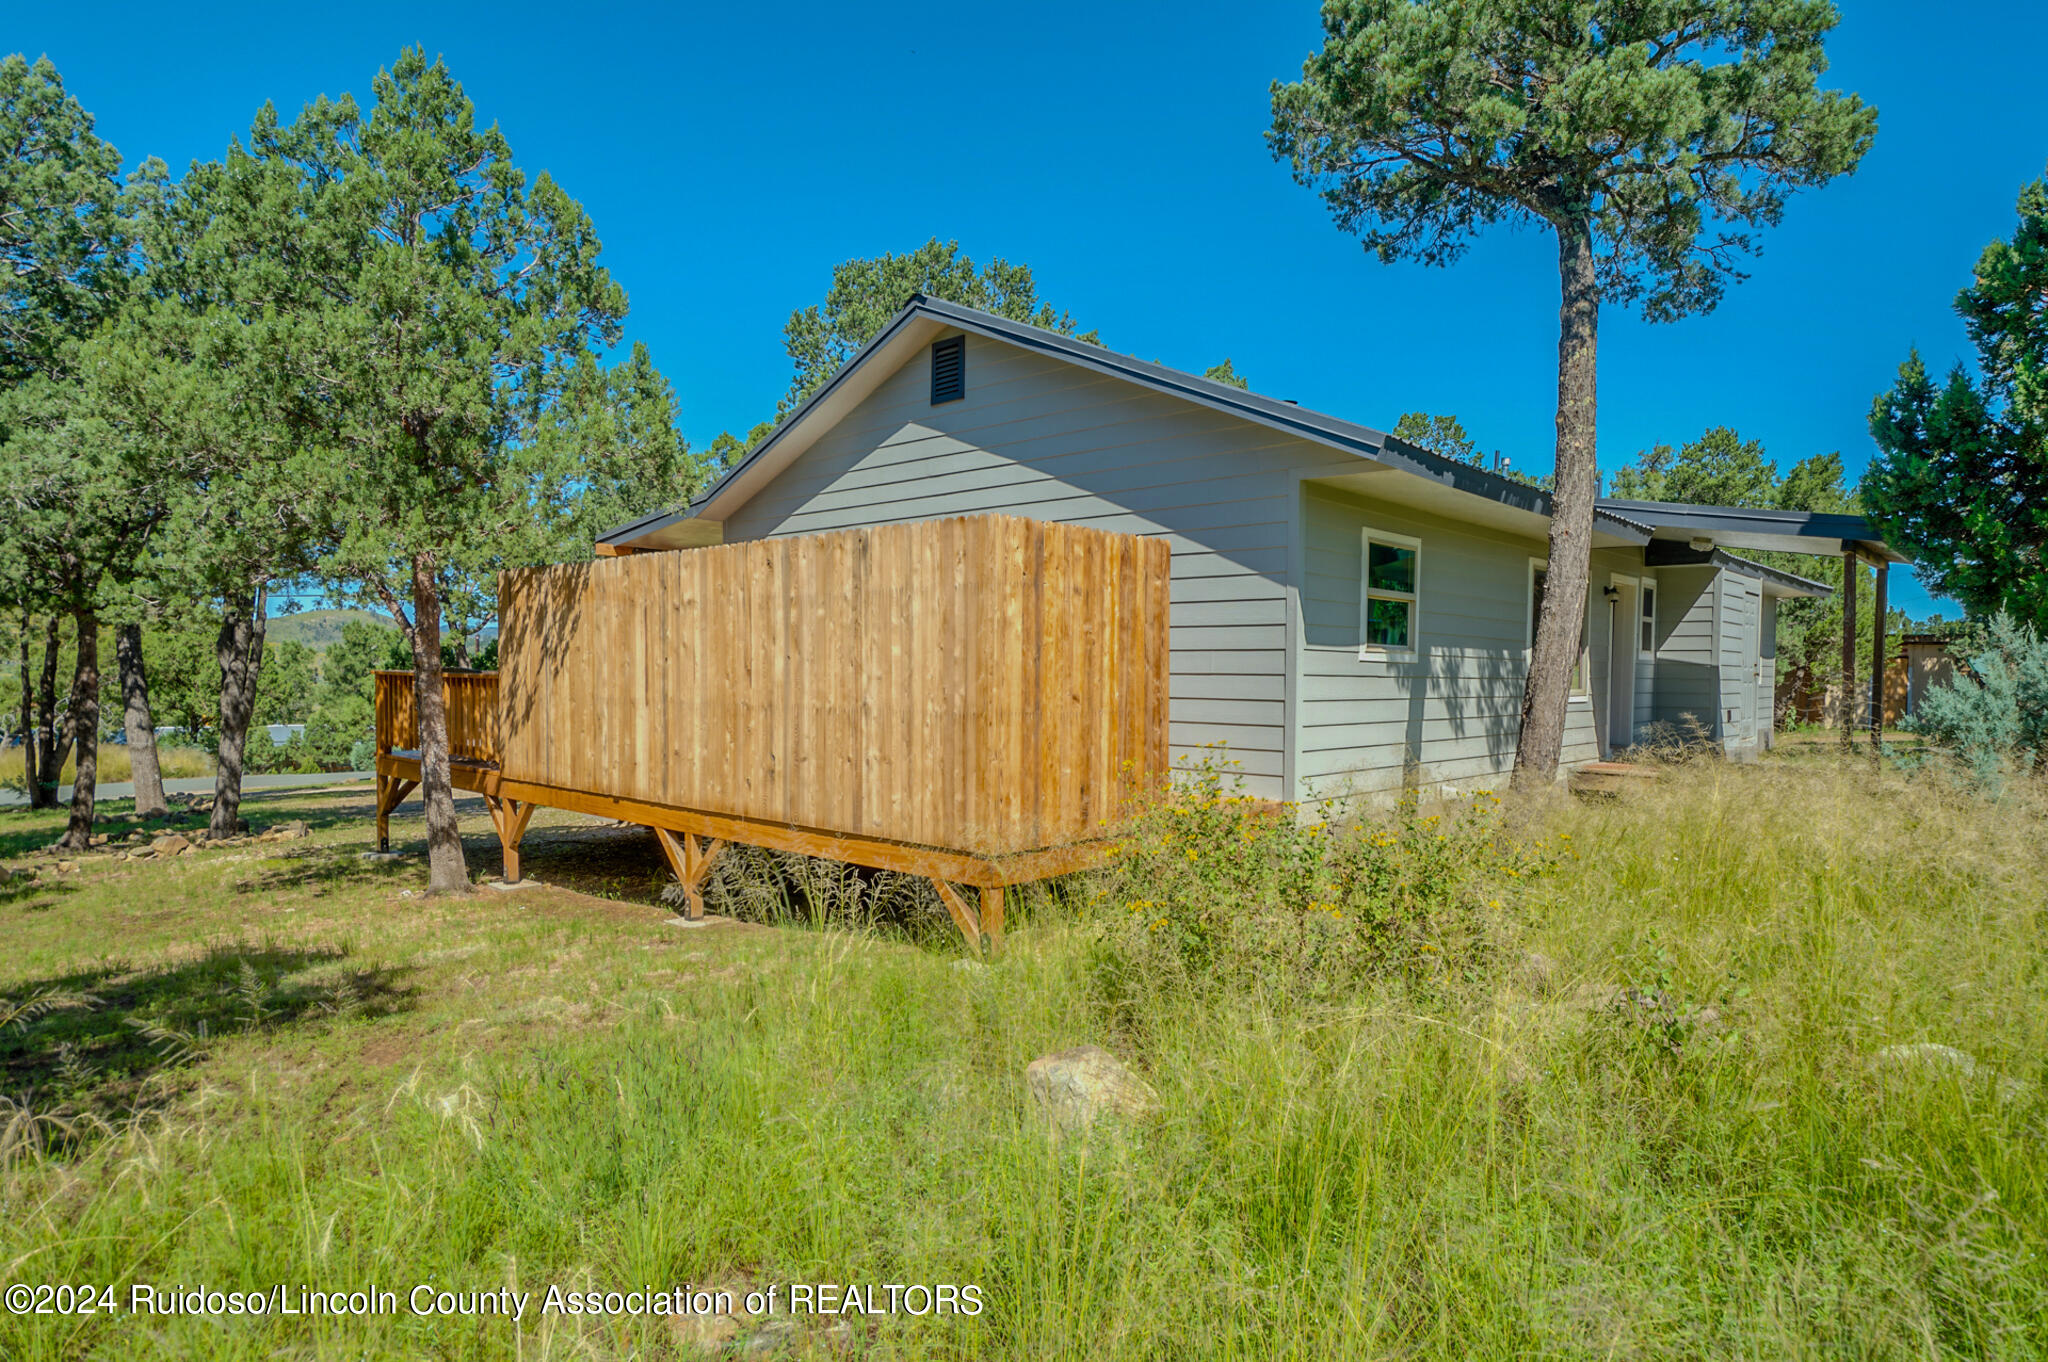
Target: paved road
203,785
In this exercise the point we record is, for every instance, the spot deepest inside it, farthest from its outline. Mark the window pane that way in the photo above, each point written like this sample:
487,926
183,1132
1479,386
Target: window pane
1649,602
1389,567
1387,623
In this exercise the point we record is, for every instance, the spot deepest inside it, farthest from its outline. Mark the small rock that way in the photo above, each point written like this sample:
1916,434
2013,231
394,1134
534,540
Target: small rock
141,854
295,829
1076,1086
705,1335
5,874
771,1338
1929,1054
98,839
1537,973
66,867
170,844
1515,1074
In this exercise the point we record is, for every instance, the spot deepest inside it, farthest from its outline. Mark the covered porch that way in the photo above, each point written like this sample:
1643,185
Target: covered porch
1685,537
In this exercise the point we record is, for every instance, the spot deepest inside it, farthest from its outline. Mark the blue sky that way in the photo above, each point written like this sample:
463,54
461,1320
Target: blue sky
732,154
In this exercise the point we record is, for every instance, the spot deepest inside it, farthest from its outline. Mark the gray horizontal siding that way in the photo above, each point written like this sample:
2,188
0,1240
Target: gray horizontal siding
1454,712
1646,663
1741,615
1688,673
1042,438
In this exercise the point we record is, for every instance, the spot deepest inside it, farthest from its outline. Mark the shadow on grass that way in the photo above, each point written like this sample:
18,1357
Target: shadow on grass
82,1052
23,833
34,896
320,871
611,862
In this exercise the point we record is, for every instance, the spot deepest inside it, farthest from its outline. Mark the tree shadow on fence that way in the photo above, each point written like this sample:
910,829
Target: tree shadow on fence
84,1052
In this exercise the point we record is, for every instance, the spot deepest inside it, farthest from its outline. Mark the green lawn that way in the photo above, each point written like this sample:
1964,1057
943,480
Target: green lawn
294,1069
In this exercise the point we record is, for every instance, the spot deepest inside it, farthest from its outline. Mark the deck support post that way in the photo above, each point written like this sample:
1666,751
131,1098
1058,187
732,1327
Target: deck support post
964,917
982,930
991,916
1849,687
1877,664
510,817
390,791
690,858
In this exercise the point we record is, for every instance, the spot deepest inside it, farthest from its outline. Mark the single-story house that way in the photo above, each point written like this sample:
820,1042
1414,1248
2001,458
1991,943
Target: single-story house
1349,613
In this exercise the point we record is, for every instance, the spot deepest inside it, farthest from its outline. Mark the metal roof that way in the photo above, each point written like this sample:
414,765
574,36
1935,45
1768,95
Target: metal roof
1638,522
1364,441
1666,553
1753,528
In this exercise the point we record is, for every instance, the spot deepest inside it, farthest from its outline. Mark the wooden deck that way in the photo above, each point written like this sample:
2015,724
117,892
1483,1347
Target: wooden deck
972,700
1594,777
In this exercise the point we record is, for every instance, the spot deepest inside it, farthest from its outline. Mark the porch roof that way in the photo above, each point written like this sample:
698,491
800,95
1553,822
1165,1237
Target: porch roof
1742,527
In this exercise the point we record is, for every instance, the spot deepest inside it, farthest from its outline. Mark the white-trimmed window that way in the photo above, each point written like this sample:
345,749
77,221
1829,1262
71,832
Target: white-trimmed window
1539,570
1390,594
1646,617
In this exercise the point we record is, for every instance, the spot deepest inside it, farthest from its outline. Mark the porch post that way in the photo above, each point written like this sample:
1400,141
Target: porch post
1848,648
1877,663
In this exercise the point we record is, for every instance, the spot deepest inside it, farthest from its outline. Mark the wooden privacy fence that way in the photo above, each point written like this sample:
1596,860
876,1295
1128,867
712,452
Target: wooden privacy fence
972,699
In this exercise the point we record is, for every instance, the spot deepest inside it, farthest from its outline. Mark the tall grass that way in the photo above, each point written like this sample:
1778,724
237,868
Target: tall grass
174,763
1649,1121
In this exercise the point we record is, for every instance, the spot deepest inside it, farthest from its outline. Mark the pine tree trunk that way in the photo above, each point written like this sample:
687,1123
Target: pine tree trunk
28,713
52,741
447,871
239,650
85,726
139,722
1561,627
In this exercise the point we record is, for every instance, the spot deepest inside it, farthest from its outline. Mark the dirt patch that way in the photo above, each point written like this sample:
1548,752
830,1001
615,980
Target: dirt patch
385,1051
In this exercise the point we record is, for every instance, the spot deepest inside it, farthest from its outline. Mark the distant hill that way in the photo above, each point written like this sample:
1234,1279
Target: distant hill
318,628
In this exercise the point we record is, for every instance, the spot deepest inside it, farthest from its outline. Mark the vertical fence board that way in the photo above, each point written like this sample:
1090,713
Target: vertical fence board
987,684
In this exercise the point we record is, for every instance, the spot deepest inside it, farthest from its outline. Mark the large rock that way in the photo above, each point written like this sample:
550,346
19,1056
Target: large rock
171,844
1075,1087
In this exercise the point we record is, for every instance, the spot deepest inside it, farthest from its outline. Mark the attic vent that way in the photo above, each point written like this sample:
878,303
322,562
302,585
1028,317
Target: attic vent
949,369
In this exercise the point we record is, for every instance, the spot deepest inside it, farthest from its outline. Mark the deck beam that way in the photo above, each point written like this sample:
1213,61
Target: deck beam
691,838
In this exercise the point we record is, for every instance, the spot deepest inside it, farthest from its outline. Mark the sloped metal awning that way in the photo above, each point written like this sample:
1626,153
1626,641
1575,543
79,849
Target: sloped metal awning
1742,527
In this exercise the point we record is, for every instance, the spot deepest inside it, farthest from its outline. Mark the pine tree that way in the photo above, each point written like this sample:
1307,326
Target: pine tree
1650,139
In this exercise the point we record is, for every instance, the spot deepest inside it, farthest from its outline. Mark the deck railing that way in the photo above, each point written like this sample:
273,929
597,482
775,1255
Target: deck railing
472,699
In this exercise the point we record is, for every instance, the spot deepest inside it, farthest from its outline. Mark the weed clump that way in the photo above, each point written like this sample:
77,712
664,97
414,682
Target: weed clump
1217,892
